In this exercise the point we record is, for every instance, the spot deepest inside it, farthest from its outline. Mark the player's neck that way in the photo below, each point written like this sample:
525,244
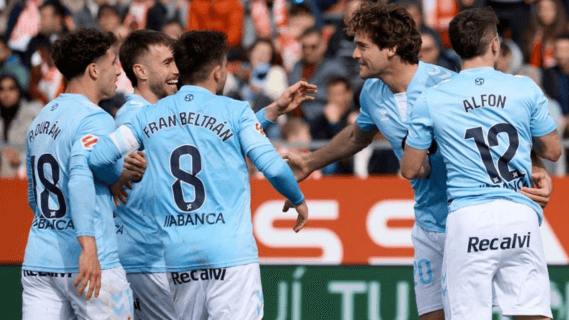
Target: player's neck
146,93
81,86
399,76
209,84
477,62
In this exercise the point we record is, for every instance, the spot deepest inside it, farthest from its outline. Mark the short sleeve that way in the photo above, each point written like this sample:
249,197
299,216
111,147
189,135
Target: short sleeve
421,125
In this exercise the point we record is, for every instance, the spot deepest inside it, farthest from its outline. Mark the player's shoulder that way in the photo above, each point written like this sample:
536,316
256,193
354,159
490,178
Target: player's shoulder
433,73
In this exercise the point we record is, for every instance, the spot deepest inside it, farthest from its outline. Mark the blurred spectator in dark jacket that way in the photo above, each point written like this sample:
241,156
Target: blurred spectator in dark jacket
11,64
556,79
316,69
335,116
173,28
431,53
87,16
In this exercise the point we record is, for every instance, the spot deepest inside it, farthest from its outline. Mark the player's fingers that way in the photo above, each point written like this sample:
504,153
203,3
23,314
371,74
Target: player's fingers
116,201
91,288
83,286
97,286
78,280
287,205
122,199
128,185
300,223
534,191
306,98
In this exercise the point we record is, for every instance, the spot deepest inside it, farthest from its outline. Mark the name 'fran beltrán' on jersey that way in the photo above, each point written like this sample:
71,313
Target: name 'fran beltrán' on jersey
484,133
192,119
195,144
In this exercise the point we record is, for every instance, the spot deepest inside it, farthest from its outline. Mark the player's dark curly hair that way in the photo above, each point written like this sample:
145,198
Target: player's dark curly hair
135,45
471,31
196,53
75,51
388,26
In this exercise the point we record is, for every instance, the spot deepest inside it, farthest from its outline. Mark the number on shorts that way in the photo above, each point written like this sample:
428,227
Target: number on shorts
50,187
187,177
503,171
423,268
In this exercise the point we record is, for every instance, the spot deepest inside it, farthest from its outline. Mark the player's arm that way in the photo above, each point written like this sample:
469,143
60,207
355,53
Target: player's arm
113,147
289,100
543,185
267,160
82,196
31,184
345,144
548,146
415,163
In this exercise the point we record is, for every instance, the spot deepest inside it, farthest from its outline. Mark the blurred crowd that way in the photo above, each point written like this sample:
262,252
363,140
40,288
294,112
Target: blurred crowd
274,43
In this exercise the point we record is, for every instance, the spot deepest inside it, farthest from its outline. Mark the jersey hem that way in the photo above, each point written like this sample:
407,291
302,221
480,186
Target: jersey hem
212,265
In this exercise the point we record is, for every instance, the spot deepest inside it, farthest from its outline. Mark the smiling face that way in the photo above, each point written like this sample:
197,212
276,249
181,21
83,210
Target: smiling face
163,73
373,60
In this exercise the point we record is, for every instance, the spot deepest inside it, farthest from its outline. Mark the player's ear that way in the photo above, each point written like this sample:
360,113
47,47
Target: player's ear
495,45
93,71
391,51
140,71
217,73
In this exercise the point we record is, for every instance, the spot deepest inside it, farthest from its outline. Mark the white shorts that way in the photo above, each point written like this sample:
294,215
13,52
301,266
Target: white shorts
51,296
494,246
152,296
427,267
221,294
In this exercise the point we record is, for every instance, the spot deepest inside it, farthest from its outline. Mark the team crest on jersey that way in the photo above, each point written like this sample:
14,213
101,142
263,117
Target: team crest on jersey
259,129
89,141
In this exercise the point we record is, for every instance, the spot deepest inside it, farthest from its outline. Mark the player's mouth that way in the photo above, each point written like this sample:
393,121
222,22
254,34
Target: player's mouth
173,82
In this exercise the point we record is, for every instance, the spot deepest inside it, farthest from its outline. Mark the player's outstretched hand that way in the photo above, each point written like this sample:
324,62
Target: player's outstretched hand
135,163
541,193
298,164
89,269
290,99
302,210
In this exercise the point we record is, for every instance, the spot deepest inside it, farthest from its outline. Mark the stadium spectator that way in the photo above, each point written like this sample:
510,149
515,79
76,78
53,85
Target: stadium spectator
263,20
46,81
300,19
296,133
315,68
52,27
267,79
514,16
87,16
16,114
556,79
431,53
162,12
547,21
226,16
23,24
11,64
415,9
173,28
137,14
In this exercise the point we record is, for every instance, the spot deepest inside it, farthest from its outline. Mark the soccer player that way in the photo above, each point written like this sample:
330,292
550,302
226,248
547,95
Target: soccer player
387,48
147,60
196,142
72,240
486,123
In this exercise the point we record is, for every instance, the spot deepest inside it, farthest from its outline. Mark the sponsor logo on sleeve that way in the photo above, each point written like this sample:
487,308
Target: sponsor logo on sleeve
89,141
259,129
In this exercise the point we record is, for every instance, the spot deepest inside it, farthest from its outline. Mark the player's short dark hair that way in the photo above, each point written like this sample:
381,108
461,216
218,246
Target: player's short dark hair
58,8
388,26
339,79
75,51
300,9
472,30
311,31
136,45
196,53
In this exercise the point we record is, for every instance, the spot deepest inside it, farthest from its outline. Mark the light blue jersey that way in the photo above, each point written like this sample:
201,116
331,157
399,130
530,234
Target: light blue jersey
484,122
66,200
138,233
380,109
196,144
